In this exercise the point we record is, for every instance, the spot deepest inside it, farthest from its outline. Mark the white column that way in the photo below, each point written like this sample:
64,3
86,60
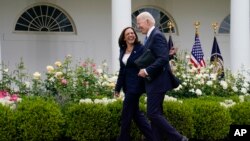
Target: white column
239,36
121,18
0,56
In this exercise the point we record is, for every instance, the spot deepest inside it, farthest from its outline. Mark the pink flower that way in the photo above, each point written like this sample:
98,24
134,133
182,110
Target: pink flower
3,94
85,64
64,81
93,65
14,97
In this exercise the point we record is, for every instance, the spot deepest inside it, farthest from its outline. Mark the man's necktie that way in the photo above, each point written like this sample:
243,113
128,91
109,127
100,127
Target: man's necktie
145,40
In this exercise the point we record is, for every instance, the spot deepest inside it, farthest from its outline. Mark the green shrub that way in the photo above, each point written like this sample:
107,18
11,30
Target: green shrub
7,124
114,122
180,116
88,122
38,120
212,121
240,113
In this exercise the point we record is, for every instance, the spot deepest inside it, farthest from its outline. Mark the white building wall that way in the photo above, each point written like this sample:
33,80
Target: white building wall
94,29
93,39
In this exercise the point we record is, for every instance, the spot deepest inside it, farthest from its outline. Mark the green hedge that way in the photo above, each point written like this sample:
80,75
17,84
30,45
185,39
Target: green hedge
240,113
88,122
180,116
7,124
38,120
211,121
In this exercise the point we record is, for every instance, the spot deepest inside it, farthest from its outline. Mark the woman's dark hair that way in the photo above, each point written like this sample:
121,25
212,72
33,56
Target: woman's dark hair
122,43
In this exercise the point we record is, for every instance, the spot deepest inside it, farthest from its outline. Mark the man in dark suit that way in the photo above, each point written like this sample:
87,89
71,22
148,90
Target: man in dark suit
158,78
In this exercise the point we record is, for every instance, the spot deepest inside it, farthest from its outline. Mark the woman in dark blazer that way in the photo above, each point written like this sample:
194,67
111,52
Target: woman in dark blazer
132,85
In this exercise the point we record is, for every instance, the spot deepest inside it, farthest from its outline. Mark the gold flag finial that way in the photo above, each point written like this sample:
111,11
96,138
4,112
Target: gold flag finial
215,26
197,25
170,26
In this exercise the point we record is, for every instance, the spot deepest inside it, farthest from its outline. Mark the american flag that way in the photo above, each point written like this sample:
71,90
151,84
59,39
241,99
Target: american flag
197,56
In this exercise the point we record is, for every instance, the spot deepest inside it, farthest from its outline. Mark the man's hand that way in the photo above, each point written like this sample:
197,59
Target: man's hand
116,94
142,73
173,51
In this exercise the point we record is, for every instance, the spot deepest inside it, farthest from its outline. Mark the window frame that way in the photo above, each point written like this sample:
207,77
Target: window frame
55,7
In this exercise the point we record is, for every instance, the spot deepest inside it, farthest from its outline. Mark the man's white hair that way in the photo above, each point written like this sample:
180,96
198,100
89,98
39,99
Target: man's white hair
147,16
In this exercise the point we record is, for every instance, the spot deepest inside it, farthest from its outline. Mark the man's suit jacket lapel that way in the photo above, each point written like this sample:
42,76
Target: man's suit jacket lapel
149,40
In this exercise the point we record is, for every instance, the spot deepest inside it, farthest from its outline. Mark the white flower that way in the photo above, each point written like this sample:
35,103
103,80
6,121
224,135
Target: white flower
235,89
169,98
205,75
243,90
6,70
105,64
198,92
224,84
209,83
36,75
104,101
50,69
184,83
19,99
246,85
58,63
178,88
191,90
99,70
27,84
111,84
227,103
52,79
105,76
113,79
213,76
13,106
87,100
58,74
184,75
198,76
201,82
241,97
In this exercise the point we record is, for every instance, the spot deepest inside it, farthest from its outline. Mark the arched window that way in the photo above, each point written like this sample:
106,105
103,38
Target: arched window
161,19
225,26
44,18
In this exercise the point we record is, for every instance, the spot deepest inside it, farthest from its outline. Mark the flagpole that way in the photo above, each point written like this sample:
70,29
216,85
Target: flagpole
215,26
197,25
170,25
172,50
